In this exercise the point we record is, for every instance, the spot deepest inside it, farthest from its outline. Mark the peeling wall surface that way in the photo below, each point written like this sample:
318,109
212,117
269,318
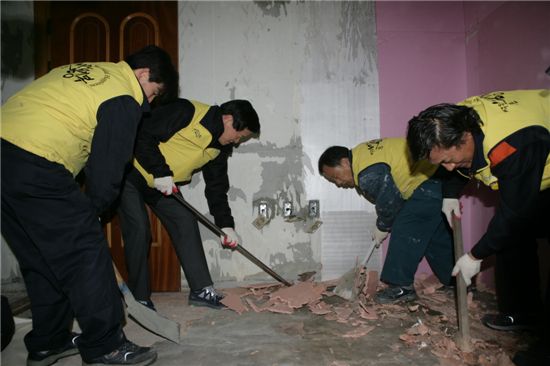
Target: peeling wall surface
17,71
309,68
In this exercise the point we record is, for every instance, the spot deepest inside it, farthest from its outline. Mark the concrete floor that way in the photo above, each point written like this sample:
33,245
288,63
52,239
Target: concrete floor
223,337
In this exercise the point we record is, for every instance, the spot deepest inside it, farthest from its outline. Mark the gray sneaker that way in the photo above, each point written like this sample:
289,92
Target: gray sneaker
394,294
49,357
127,354
206,296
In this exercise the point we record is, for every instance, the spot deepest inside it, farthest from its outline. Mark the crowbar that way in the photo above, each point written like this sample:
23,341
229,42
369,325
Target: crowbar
463,335
216,230
146,317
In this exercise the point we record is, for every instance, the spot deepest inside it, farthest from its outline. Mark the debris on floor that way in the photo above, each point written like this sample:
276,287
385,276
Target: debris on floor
430,322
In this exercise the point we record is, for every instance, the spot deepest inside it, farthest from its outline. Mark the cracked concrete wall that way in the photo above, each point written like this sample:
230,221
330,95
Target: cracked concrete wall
309,68
17,71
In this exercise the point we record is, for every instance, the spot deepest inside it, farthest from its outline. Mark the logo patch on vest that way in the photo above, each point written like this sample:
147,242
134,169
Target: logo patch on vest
82,72
501,152
374,145
498,99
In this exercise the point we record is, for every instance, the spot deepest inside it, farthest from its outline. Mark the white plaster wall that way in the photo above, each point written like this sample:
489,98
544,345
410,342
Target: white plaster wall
17,71
309,68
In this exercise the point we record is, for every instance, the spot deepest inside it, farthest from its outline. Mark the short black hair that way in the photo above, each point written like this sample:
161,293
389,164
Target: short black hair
441,125
244,115
161,70
332,157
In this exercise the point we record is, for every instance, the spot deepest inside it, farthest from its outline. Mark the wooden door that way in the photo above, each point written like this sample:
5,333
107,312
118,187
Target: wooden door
74,31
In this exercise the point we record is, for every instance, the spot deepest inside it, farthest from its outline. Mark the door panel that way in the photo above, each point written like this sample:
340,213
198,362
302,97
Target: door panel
75,31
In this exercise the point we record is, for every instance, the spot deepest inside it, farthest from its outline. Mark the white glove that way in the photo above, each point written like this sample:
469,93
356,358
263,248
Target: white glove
165,185
450,206
468,267
230,239
378,236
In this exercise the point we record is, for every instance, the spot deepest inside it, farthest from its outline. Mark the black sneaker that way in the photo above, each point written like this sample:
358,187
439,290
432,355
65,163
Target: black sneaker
536,355
206,296
148,303
450,289
46,358
508,322
393,294
127,354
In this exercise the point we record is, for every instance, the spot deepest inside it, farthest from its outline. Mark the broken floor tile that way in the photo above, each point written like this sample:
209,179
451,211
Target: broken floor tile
299,294
234,303
280,307
320,308
359,332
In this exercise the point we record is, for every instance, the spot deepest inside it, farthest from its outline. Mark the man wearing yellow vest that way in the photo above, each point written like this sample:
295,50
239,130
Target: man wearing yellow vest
503,140
81,116
176,141
408,201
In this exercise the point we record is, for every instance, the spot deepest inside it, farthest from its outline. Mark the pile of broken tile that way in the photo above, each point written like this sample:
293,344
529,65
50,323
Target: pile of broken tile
428,323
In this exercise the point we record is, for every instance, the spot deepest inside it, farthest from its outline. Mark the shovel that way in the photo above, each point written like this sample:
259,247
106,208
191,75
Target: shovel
463,335
216,230
346,285
147,318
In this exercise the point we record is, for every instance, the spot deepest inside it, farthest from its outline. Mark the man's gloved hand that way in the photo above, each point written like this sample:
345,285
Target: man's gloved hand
230,239
468,267
165,185
450,206
378,236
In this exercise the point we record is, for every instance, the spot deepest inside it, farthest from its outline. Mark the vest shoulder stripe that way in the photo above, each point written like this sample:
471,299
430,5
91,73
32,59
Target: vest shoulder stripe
501,152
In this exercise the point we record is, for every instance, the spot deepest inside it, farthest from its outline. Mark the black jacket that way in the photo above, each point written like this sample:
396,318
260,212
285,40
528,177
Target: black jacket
160,126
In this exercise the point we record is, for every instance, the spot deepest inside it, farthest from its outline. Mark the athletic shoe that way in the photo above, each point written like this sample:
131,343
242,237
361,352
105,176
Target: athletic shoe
127,354
206,296
148,303
508,322
49,357
394,294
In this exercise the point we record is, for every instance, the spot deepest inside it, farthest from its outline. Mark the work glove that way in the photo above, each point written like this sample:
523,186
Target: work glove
378,236
450,206
230,239
165,185
468,267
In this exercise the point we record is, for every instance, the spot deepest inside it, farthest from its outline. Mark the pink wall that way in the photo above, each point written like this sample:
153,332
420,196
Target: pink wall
421,59
433,52
507,47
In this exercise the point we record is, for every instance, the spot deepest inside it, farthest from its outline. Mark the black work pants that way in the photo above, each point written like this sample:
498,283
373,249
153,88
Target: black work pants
517,275
183,228
52,229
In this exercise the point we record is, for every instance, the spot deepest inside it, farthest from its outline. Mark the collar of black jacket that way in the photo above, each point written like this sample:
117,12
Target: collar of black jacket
478,160
214,124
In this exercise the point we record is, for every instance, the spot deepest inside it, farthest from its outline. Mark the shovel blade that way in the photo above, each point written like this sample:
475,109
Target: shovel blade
150,319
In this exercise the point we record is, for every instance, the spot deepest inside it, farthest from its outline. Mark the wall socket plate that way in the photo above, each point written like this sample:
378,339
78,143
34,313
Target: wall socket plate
262,210
287,209
313,208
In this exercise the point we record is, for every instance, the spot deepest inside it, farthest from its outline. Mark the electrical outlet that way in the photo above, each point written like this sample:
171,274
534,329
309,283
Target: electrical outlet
313,208
287,209
262,210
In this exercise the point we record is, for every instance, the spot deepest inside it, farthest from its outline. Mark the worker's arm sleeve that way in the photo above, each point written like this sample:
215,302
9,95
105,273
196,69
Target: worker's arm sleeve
160,126
519,179
216,188
111,151
377,184
452,182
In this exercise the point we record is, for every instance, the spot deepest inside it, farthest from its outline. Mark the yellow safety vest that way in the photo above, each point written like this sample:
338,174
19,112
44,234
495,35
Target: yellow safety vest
395,153
187,150
504,113
55,116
